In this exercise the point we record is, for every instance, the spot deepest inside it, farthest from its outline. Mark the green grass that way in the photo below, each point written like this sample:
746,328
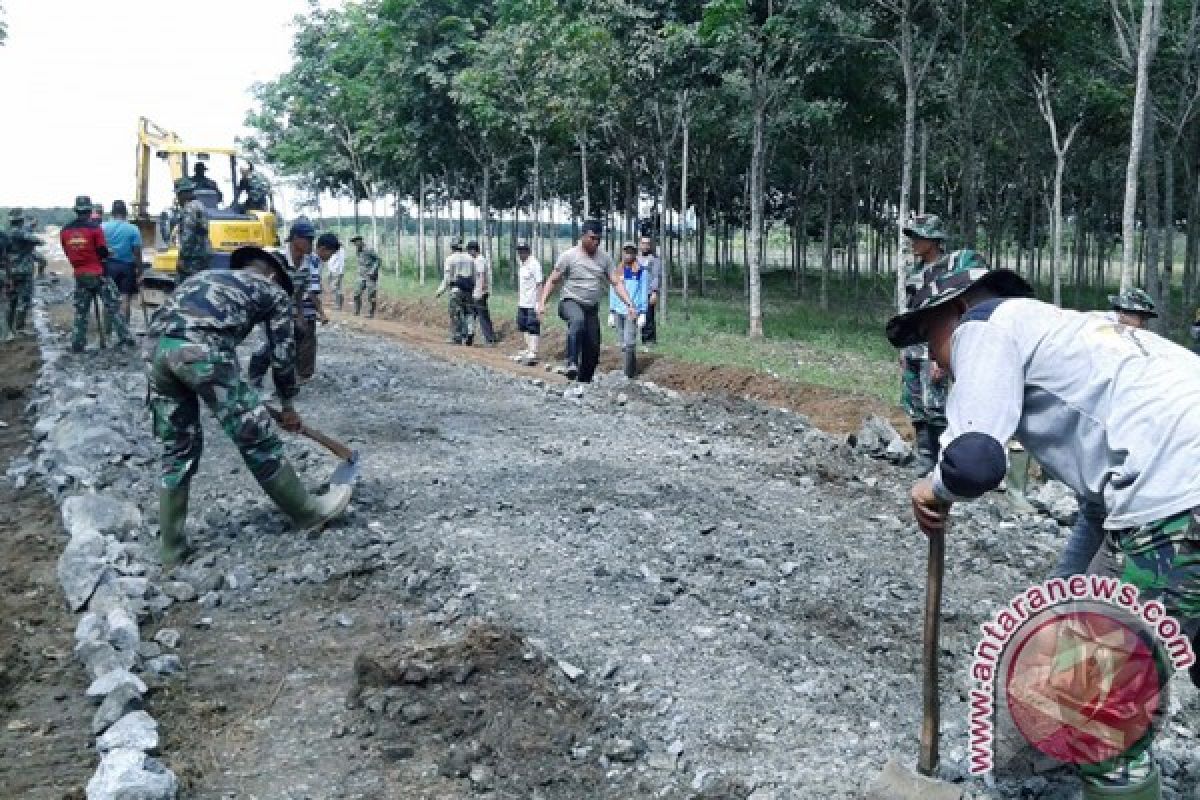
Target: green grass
843,350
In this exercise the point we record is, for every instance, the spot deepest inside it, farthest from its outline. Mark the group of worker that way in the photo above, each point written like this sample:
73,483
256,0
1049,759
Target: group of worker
587,274
20,261
1102,404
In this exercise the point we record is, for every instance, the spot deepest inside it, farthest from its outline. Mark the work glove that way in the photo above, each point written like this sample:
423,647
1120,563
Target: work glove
612,320
641,321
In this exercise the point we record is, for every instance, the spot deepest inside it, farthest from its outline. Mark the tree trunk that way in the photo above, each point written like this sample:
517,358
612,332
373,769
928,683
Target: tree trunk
683,204
583,164
754,275
1168,237
421,231
399,222
1147,40
537,199
827,237
910,125
924,164
664,253
485,212
1153,212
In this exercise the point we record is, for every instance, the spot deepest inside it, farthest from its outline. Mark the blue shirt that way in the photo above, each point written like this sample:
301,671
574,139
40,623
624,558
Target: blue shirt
122,237
638,286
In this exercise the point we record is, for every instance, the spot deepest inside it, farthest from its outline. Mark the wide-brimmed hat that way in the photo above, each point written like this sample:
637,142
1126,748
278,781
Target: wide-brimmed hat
1134,301
243,256
944,280
926,226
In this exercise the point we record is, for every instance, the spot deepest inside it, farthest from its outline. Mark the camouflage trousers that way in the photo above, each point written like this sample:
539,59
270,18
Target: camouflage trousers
462,313
181,375
89,288
371,289
1162,559
335,284
17,302
923,396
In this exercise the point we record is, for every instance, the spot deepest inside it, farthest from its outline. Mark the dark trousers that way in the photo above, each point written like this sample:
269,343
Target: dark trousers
583,336
649,331
484,317
306,355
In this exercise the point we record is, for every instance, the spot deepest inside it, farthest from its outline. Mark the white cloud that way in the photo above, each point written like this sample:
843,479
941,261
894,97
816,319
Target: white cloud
77,75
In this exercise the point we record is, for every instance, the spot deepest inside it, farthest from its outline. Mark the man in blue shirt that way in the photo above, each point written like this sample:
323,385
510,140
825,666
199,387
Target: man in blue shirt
124,262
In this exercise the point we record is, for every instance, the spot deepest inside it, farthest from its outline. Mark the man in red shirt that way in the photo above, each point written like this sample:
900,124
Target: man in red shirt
84,245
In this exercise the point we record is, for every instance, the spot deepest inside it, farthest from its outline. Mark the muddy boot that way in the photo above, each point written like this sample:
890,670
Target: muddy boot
924,446
1148,789
306,510
172,516
1016,480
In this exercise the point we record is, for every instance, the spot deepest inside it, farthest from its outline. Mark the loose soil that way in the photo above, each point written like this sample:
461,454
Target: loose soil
45,749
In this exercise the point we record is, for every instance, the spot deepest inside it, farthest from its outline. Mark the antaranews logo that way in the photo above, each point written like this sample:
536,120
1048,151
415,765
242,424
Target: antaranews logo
1081,666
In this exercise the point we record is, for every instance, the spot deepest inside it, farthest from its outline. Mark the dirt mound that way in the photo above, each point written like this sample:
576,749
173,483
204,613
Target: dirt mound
494,712
43,731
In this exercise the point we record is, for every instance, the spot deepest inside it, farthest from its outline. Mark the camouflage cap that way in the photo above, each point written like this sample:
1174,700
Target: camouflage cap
1134,301
944,280
185,185
83,203
245,256
925,226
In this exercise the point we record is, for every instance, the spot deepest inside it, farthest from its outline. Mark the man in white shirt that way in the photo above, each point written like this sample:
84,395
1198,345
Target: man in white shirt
330,251
530,277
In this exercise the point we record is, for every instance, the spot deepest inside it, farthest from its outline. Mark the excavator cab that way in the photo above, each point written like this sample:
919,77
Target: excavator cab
229,227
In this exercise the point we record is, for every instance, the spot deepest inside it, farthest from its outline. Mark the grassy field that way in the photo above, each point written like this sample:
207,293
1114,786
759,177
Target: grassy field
841,350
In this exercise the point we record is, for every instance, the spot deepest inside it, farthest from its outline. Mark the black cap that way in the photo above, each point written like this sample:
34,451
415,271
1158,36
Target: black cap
472,245
244,256
329,240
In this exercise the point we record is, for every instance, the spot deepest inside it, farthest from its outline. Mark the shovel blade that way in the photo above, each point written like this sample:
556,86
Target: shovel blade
347,471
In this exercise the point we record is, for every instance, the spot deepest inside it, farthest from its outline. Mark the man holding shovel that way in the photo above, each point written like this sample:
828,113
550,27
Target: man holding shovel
199,329
1111,411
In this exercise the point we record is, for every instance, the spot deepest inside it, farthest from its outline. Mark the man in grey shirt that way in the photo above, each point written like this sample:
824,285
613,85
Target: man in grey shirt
585,272
1111,411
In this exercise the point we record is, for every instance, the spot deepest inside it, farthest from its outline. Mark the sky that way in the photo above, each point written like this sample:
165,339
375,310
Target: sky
76,76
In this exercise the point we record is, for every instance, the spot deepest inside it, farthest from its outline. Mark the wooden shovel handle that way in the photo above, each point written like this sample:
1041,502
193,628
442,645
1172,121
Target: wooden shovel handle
329,443
927,762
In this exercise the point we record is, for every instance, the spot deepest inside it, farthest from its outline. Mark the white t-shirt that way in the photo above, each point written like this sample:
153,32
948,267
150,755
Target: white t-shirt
483,275
530,277
337,262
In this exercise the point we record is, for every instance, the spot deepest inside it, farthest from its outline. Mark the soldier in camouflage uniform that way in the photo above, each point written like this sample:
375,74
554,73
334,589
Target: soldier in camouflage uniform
22,262
923,393
1109,410
256,188
84,246
458,275
368,276
195,360
5,334
194,250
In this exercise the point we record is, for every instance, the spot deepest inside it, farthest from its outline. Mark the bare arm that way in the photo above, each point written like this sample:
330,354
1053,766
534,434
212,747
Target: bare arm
548,289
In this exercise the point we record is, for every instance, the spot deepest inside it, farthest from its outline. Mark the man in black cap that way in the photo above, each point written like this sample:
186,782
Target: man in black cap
203,182
585,272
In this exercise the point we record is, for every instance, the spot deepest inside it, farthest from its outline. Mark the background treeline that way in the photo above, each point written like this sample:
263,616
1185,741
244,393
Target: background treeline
776,139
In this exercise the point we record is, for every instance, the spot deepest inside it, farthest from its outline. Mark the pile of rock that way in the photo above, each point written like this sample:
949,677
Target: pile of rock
103,568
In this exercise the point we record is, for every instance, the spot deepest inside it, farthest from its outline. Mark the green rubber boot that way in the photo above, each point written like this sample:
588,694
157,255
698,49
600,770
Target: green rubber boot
172,516
1016,480
306,510
1149,789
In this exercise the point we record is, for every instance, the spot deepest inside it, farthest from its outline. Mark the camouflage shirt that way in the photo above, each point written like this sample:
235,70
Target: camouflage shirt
256,188
368,265
220,308
193,236
22,251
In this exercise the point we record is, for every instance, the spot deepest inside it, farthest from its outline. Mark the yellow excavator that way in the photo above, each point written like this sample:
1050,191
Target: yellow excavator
228,228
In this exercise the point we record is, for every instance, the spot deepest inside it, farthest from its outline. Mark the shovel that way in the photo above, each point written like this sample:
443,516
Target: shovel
896,782
347,471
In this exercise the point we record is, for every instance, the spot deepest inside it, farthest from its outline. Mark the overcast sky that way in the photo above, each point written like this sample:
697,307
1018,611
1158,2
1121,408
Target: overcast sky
76,75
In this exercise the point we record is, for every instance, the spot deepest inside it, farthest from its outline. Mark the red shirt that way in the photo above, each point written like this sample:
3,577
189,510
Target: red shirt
84,245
